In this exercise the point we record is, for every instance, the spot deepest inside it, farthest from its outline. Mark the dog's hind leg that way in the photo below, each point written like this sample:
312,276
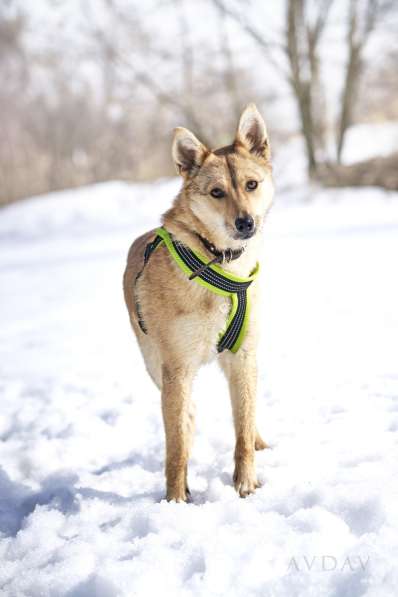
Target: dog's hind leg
151,357
178,425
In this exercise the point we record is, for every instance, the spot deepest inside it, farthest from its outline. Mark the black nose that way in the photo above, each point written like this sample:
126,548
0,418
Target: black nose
245,226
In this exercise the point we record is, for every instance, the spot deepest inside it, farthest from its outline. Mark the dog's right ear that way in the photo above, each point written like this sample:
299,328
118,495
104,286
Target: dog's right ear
188,152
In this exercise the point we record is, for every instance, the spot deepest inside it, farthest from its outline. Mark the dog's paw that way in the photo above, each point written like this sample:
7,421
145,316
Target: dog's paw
245,481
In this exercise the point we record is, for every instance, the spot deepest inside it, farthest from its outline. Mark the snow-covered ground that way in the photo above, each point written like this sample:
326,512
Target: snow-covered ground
81,441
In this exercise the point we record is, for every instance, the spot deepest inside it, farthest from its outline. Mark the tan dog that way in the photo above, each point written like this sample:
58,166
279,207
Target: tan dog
220,210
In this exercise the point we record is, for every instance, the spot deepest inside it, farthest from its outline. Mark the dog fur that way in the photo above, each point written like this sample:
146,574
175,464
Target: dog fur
183,318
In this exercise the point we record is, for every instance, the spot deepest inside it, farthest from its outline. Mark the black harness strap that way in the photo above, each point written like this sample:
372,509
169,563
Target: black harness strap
219,281
149,249
202,270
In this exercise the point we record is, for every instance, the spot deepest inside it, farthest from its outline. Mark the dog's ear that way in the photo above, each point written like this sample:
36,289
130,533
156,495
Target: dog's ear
188,152
252,132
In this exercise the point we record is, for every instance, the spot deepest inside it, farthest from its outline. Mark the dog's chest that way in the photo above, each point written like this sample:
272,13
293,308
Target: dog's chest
187,318
199,320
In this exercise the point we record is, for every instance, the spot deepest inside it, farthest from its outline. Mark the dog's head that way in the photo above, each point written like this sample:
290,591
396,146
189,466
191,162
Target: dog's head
228,190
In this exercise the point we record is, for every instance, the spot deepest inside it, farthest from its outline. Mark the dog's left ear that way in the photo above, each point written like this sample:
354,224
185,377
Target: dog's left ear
252,132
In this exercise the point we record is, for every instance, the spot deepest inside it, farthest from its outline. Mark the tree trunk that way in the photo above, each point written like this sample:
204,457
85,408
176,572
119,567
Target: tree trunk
301,87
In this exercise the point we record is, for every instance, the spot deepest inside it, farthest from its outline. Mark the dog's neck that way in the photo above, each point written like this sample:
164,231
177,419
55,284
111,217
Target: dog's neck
223,255
194,236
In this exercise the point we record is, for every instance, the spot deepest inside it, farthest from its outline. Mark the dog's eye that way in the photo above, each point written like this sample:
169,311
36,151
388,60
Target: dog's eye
217,193
251,185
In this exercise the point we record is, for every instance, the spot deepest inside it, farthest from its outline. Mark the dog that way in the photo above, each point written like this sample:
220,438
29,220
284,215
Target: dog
194,277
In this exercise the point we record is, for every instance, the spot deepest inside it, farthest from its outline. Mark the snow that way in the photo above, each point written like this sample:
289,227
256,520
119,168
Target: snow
82,512
367,141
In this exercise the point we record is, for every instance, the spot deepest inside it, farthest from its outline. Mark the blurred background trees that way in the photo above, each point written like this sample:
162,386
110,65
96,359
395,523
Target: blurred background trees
91,89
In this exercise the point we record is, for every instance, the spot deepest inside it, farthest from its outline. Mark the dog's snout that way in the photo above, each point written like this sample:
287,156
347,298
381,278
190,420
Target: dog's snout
245,226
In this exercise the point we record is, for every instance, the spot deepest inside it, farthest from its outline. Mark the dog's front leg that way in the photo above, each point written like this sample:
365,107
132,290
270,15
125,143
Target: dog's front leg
178,425
241,372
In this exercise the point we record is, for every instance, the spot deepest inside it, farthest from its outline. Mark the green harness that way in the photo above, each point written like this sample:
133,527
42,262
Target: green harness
215,279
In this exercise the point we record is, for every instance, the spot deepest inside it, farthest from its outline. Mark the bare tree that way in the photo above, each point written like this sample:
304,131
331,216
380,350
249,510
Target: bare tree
63,126
362,20
229,71
14,76
301,48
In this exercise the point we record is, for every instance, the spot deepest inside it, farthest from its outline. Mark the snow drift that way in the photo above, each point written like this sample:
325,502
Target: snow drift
81,442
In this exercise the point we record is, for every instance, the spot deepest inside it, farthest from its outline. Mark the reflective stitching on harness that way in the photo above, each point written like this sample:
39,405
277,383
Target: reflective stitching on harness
209,276
232,337
235,326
